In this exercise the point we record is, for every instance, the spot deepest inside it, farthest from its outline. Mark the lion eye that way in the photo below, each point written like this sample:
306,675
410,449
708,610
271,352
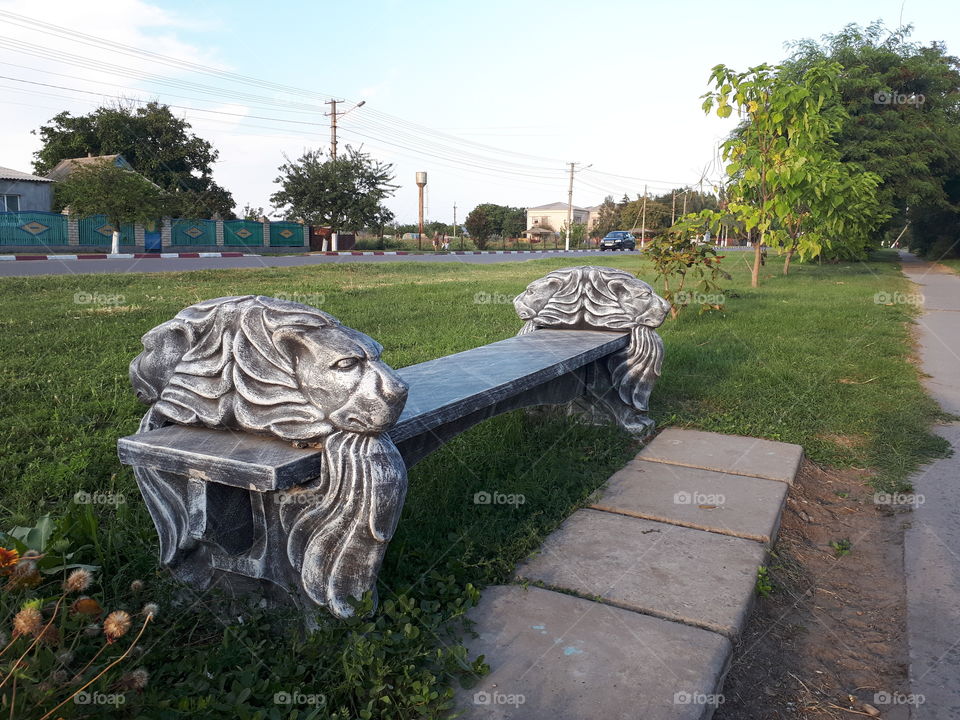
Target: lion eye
346,363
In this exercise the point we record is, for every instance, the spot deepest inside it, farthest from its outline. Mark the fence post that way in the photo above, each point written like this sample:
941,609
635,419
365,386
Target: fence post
218,228
139,237
73,228
266,231
166,233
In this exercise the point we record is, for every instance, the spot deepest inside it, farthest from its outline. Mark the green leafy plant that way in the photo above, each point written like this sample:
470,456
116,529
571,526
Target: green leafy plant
764,584
689,271
841,547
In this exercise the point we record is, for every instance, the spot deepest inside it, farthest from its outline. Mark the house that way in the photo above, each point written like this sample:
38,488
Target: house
553,217
65,167
23,192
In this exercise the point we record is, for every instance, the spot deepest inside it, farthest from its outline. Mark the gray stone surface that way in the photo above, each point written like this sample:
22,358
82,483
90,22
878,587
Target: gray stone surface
736,505
726,453
450,387
570,658
230,458
673,572
932,542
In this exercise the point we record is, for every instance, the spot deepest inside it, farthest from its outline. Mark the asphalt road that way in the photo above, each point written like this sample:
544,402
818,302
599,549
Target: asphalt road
23,268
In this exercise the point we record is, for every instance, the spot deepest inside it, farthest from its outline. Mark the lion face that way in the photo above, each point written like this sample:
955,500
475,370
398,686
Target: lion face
340,371
267,366
591,297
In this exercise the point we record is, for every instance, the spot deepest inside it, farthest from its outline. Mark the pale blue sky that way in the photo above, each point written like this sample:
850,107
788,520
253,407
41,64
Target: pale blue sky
615,84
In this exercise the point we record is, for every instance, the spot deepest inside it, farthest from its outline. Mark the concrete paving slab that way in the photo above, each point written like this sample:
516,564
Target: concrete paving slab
672,572
554,656
725,453
736,505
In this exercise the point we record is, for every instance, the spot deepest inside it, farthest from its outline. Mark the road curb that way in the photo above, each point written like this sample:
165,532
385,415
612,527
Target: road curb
128,256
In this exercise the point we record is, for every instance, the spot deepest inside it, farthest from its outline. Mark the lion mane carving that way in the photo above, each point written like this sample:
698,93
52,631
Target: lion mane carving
261,365
602,298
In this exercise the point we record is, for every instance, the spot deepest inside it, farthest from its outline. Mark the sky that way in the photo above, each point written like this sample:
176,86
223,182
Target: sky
491,99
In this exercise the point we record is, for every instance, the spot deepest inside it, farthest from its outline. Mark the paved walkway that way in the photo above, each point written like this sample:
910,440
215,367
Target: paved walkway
630,609
932,544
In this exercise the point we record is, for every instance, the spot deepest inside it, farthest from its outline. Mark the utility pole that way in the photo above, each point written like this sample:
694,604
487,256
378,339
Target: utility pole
673,209
333,127
685,192
643,223
573,167
454,222
333,147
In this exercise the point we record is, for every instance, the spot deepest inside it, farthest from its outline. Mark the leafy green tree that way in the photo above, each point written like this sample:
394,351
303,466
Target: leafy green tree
902,123
345,194
482,223
122,195
155,142
250,212
788,184
513,222
608,217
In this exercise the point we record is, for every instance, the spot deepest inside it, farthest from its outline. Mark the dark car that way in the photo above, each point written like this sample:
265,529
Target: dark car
618,240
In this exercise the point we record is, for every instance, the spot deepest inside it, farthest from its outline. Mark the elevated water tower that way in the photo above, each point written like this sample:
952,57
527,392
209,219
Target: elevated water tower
421,183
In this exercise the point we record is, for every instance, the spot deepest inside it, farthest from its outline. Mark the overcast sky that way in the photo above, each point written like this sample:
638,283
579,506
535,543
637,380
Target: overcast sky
490,98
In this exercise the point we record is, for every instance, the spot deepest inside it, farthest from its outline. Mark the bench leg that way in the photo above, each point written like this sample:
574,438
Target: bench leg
325,540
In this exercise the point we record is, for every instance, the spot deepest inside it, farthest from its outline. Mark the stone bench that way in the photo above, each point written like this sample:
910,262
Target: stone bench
276,448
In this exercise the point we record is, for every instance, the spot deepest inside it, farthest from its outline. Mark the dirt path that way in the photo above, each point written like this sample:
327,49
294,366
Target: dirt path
830,640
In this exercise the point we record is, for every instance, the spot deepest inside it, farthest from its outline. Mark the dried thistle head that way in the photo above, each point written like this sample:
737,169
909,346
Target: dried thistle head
116,625
24,576
135,680
91,630
136,586
50,635
28,621
150,610
77,581
65,657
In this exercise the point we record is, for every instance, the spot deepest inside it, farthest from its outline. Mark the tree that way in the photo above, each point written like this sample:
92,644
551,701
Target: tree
481,224
788,183
345,194
902,123
608,217
122,195
155,142
250,212
578,233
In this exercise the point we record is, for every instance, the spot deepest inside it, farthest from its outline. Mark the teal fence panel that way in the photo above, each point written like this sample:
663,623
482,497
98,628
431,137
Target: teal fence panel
41,229
286,234
97,230
193,232
245,233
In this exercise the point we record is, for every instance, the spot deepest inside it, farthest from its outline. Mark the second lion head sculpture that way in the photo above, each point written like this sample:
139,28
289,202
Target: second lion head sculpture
602,298
266,366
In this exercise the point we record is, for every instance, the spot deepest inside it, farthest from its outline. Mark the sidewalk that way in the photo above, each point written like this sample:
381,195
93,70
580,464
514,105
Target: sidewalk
932,542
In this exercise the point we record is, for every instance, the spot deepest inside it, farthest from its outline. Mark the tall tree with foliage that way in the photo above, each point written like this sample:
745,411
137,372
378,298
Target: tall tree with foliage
482,223
608,217
788,184
344,194
902,103
155,142
122,195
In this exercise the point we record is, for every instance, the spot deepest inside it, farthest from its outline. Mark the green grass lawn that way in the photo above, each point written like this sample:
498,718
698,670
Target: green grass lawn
809,359
952,263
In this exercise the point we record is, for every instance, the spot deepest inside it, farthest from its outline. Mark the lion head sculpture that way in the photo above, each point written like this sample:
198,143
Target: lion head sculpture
602,298
267,366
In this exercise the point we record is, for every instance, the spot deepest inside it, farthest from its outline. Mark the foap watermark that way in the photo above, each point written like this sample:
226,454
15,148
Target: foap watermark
688,297
498,698
296,697
912,499
98,698
82,497
485,298
697,698
895,98
898,698
498,498
311,299
294,497
698,498
897,298
82,297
